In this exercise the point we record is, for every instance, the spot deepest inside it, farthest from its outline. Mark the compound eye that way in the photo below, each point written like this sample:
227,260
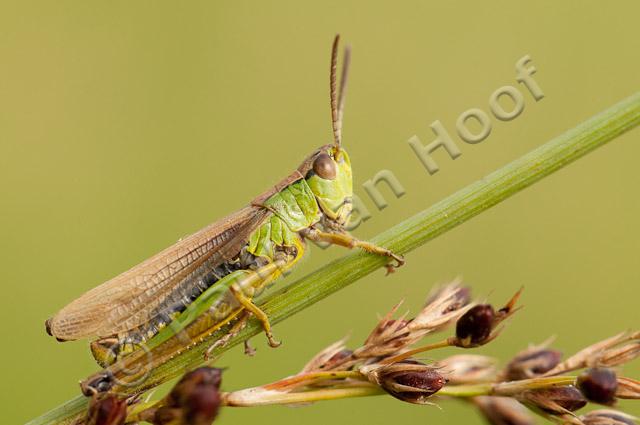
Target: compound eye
324,166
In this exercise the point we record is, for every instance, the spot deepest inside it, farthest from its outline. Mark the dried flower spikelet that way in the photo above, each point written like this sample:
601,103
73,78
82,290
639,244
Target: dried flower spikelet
598,385
607,417
467,368
337,360
478,325
106,410
628,388
619,355
328,359
608,352
503,411
409,381
195,399
554,401
388,337
443,307
532,362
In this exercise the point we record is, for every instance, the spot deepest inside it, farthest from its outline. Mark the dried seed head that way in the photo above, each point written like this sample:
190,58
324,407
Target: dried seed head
165,415
467,368
443,307
195,399
607,417
475,326
598,385
203,376
389,336
201,407
628,388
106,409
619,355
608,353
478,325
555,401
337,359
408,381
503,411
532,362
330,358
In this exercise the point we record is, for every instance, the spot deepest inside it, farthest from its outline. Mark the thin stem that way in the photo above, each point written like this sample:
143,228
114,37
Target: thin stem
506,388
403,356
464,391
402,238
138,411
514,387
265,398
260,396
308,378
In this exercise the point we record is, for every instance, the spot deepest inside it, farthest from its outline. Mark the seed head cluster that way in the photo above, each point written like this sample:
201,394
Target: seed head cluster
538,379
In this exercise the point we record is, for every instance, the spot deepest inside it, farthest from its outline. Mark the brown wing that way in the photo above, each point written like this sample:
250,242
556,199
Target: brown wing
127,300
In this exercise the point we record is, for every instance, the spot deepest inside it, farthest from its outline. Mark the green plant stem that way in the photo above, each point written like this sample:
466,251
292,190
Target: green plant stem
404,237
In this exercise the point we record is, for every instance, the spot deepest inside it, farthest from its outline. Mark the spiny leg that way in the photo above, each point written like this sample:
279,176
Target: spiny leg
235,330
349,241
242,290
255,310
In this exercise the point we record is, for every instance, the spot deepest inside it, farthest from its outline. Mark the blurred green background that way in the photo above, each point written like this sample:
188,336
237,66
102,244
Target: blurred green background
127,125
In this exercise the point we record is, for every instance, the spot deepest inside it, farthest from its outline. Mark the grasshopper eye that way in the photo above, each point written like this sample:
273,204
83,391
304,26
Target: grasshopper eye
324,166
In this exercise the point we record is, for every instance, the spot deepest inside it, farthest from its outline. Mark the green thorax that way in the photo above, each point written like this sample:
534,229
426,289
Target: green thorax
295,208
302,204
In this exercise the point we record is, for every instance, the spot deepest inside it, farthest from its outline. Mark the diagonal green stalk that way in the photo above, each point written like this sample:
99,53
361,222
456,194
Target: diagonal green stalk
404,237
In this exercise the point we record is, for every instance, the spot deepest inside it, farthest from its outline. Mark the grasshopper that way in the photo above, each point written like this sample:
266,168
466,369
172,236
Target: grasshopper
211,277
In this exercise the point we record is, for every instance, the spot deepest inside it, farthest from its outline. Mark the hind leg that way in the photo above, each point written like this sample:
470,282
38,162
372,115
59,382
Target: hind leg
235,330
244,289
105,351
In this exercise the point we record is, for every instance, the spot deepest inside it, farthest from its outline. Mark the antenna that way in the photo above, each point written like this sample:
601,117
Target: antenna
337,100
346,59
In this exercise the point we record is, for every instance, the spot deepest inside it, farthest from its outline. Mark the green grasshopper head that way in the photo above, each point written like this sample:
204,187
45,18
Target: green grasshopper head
330,181
329,176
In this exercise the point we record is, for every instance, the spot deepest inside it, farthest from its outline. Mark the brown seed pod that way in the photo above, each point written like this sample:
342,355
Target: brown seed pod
409,380
531,363
106,409
503,411
475,325
194,400
599,385
555,401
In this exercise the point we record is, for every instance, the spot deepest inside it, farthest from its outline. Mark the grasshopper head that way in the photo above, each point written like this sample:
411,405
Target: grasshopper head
329,178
